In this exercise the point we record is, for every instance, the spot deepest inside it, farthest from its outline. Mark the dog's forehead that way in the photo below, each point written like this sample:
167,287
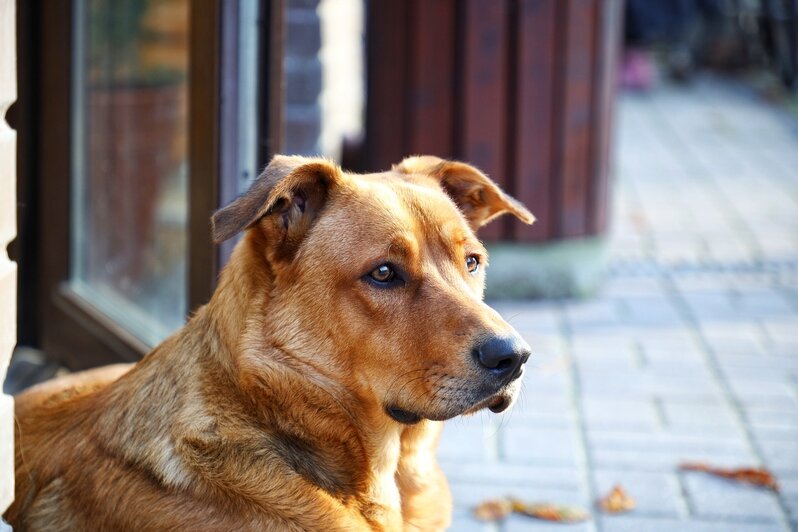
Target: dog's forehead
375,209
410,201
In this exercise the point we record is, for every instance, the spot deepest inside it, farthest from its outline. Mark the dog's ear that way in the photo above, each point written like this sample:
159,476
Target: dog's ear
291,190
479,198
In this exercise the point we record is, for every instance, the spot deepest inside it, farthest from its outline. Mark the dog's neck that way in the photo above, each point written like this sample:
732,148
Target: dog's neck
363,451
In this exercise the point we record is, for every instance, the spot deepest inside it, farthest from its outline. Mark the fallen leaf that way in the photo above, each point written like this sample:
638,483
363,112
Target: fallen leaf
493,509
617,501
550,512
749,475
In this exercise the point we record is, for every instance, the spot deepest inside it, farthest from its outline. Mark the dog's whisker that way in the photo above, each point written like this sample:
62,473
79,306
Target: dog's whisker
405,374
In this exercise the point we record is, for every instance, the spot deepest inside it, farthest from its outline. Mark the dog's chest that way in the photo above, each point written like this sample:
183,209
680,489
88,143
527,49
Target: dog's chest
384,491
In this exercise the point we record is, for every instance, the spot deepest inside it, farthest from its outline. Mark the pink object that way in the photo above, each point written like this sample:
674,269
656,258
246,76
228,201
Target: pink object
637,70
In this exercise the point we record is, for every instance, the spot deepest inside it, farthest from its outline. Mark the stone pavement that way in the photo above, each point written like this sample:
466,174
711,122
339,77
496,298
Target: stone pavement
690,352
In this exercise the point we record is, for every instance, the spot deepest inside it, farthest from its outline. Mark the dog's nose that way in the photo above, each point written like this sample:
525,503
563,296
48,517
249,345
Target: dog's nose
502,355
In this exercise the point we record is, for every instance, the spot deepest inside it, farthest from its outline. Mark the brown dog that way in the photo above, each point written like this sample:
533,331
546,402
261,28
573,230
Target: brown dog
307,394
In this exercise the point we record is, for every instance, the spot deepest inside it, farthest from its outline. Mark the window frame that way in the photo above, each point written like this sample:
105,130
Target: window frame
71,330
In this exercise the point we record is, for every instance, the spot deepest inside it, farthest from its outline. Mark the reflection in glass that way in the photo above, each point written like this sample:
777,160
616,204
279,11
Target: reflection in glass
129,187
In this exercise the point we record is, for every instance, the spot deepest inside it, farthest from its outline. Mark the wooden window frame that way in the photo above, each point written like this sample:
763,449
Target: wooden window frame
72,330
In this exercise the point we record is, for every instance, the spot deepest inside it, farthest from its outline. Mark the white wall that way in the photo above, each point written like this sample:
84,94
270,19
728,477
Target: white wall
8,269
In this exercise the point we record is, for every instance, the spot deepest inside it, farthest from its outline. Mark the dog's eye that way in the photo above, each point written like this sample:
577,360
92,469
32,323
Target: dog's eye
383,273
472,263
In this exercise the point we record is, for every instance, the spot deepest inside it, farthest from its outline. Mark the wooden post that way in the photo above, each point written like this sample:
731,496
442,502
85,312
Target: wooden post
8,269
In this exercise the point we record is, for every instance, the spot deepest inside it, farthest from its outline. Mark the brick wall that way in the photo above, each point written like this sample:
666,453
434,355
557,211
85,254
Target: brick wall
303,78
8,269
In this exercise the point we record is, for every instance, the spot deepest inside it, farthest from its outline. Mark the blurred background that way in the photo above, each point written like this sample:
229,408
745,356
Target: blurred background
656,141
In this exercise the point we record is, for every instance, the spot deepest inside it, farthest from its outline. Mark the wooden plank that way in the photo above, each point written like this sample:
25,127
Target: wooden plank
54,148
608,46
430,102
387,78
575,168
534,108
484,123
204,146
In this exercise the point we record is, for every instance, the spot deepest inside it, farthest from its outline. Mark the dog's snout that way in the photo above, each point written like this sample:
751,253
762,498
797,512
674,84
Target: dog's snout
502,355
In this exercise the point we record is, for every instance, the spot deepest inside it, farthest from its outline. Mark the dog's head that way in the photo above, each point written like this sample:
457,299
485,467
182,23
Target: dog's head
379,278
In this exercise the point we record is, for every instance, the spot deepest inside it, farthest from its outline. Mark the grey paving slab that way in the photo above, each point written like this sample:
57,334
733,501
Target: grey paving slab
699,416
711,497
633,523
520,524
547,446
655,494
468,494
512,474
620,414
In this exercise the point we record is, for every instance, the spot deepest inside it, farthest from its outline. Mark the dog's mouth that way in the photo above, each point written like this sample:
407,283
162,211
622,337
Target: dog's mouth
499,404
500,401
403,416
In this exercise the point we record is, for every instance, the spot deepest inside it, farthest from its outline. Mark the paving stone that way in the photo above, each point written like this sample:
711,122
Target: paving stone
787,349
601,413
466,495
758,392
775,433
644,383
517,523
467,439
535,410
784,414
547,446
553,379
630,523
462,520
791,503
530,317
781,455
782,329
664,460
656,494
628,286
650,310
593,313
745,338
756,365
512,474
686,443
712,497
698,415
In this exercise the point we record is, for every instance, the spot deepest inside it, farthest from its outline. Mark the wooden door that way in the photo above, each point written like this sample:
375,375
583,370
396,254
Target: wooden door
523,89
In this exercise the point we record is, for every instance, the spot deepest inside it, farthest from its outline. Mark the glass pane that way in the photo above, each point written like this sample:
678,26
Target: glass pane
129,184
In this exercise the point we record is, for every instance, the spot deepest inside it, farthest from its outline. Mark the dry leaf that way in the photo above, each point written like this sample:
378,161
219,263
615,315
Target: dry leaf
550,512
493,509
617,501
749,475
